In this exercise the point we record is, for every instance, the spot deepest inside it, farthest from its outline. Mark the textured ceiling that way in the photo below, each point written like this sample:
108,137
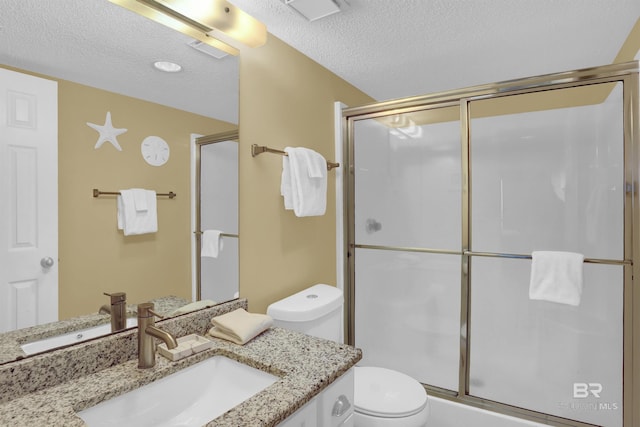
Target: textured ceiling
100,44
392,49
388,49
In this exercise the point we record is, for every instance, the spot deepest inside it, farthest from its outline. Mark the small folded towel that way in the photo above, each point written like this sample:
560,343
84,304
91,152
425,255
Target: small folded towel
188,308
140,199
308,178
239,326
212,243
556,277
316,164
134,215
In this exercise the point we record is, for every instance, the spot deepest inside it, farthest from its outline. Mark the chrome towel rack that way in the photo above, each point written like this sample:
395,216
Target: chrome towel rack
259,149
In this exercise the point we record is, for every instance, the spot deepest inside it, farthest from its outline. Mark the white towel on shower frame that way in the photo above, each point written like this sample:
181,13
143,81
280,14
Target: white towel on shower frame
556,277
212,243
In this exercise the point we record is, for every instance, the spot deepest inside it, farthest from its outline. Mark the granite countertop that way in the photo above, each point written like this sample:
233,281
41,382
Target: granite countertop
305,365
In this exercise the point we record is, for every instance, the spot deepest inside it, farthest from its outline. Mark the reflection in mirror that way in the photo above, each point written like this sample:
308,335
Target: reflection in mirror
217,217
102,75
40,338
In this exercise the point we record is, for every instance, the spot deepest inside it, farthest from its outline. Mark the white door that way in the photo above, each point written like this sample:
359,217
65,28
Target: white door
28,200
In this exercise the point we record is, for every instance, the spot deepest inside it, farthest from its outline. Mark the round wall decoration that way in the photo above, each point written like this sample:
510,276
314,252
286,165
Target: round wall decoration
155,150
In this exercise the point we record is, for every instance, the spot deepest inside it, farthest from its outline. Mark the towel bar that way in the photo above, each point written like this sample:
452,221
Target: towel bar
98,193
484,254
259,149
198,233
520,256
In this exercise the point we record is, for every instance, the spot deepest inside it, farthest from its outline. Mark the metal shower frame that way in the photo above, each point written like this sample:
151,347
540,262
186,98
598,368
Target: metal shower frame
627,74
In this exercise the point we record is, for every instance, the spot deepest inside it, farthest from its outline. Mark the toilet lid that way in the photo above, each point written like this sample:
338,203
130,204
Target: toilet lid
386,393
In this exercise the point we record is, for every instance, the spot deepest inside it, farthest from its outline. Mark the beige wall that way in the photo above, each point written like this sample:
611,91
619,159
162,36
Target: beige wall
94,256
286,99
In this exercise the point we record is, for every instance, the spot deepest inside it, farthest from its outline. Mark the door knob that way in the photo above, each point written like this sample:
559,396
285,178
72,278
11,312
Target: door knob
46,262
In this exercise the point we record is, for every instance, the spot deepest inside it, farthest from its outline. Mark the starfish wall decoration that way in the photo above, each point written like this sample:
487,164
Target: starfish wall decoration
107,133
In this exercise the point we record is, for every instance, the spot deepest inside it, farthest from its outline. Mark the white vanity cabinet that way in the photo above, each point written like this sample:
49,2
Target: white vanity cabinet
331,408
307,416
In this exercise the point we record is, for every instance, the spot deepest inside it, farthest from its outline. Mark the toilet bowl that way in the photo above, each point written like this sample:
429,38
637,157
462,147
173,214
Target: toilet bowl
382,397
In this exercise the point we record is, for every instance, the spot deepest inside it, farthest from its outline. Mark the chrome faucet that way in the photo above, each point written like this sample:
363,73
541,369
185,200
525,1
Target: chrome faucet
146,331
117,309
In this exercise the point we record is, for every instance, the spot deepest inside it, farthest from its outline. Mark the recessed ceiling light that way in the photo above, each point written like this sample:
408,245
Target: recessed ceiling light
167,67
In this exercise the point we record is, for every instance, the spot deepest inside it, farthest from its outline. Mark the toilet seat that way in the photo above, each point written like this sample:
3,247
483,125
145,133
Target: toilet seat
382,392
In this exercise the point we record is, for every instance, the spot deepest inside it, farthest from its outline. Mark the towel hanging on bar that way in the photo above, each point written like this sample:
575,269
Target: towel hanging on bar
212,243
137,212
259,149
304,182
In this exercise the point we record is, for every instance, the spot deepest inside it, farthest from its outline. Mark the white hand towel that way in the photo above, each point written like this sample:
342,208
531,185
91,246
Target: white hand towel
556,277
212,243
308,170
285,184
317,165
140,199
132,221
239,326
120,209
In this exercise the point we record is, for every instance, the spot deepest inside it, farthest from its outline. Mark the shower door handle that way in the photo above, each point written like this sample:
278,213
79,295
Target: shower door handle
371,226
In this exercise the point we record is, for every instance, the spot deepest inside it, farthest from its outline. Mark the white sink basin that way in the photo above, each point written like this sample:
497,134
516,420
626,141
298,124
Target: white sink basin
191,397
71,337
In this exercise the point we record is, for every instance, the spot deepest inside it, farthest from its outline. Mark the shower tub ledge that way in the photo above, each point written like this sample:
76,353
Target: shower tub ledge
446,413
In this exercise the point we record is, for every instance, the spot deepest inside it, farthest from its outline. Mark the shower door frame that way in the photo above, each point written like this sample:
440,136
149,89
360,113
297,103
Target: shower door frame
201,141
627,74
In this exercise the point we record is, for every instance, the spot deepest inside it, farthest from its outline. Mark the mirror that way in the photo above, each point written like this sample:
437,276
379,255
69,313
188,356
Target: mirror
117,81
37,339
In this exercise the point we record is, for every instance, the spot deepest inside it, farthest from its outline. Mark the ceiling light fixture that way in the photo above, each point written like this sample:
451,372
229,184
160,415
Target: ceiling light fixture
314,9
167,67
217,23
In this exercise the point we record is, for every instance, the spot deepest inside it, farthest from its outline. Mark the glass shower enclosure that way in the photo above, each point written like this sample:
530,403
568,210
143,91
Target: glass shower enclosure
447,198
217,279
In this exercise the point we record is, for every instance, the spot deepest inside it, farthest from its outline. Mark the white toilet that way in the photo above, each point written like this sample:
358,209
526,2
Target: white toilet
383,397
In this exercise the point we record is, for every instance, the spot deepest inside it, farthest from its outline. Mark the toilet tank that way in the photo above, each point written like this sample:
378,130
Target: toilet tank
315,311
